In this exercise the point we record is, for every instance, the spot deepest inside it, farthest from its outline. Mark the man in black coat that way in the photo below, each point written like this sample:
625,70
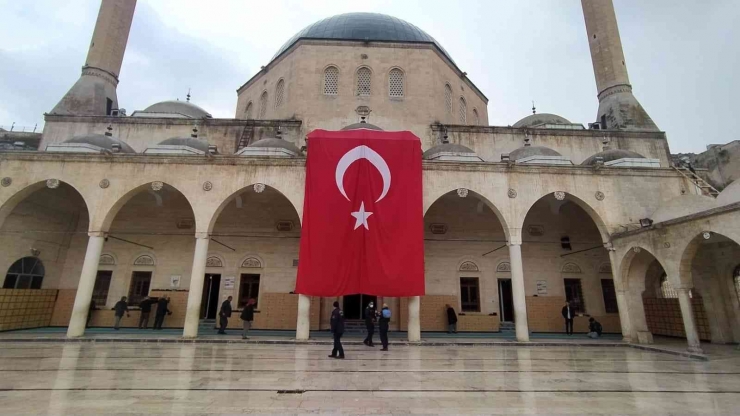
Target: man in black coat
568,314
337,328
146,309
162,310
224,314
121,307
451,320
247,317
369,324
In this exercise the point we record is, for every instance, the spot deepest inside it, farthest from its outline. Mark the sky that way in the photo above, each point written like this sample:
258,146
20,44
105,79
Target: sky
682,55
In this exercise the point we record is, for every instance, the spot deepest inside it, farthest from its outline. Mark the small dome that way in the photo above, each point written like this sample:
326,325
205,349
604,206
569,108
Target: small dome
186,141
275,143
102,141
179,109
358,126
535,120
527,151
613,154
447,148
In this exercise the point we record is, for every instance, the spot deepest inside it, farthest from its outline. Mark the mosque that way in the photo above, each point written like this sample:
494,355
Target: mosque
170,201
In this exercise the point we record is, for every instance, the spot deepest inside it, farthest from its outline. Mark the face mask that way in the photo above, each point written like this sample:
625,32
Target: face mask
370,305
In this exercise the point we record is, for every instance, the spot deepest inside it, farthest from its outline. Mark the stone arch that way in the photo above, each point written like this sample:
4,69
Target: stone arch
633,267
571,268
503,267
592,213
215,260
236,193
251,261
108,259
146,259
434,195
689,251
8,204
468,266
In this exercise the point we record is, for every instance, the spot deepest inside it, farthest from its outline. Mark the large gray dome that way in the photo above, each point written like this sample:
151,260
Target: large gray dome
613,154
186,141
102,141
534,120
179,109
275,143
373,27
527,151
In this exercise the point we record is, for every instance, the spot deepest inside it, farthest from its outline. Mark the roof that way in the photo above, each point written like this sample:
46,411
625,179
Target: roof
187,141
527,151
540,119
177,109
613,154
276,143
447,148
102,141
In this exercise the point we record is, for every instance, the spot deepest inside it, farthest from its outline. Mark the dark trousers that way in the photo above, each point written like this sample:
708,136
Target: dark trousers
223,322
569,326
158,321
384,335
144,320
370,331
337,346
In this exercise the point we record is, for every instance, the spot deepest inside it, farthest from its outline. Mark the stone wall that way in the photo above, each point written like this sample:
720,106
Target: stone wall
664,317
26,308
544,315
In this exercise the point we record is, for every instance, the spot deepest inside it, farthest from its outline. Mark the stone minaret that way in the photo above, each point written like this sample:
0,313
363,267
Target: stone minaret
94,94
618,108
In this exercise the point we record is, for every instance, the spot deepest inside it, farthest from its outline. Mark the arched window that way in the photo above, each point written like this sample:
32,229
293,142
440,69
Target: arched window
448,98
476,118
248,111
279,90
263,105
395,83
736,280
363,81
26,273
666,289
331,81
463,116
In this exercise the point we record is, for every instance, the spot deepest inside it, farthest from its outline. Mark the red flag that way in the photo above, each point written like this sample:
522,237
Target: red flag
363,225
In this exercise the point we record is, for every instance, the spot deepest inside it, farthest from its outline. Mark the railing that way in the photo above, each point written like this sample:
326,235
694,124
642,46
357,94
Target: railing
21,129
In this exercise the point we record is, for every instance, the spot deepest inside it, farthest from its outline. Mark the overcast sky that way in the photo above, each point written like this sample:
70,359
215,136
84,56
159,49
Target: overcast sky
682,55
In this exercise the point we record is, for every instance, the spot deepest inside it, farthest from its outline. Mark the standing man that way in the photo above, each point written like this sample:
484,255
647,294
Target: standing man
247,317
337,328
162,310
385,319
369,324
568,315
120,307
451,320
146,309
224,314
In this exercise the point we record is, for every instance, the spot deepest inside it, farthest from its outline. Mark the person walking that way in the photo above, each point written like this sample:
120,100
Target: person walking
146,309
337,328
224,314
385,319
594,328
369,324
121,307
247,317
568,315
451,320
163,308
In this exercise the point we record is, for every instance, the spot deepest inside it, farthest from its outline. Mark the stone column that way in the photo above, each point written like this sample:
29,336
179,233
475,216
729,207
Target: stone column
303,324
624,315
687,313
195,294
78,320
414,324
517,288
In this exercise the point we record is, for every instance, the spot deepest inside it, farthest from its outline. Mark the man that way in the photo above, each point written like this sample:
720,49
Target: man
146,309
369,324
337,328
247,317
594,328
224,315
385,319
451,320
162,310
568,315
120,307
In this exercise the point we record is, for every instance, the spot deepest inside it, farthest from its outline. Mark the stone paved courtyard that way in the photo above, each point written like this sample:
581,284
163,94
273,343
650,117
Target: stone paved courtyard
146,378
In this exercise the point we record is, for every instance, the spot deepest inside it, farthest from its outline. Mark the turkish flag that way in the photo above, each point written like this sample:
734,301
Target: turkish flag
363,221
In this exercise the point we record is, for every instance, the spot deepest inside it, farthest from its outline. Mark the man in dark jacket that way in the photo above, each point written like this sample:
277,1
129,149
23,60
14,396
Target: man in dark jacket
337,328
594,328
369,324
451,320
568,314
224,314
146,309
121,307
385,319
162,310
247,317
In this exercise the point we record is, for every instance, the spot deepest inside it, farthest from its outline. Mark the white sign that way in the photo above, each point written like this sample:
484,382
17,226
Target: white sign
542,287
175,281
229,282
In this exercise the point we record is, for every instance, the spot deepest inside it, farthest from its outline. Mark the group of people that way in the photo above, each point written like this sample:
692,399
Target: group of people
594,327
121,307
247,316
382,317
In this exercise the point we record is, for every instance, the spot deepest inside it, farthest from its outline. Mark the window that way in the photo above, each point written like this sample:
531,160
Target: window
331,81
108,106
248,111
395,83
363,81
610,296
666,288
26,273
279,91
448,98
574,294
102,283
139,288
469,292
263,105
476,118
249,288
463,111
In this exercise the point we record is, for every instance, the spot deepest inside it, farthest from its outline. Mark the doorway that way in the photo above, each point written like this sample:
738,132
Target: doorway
354,305
506,300
209,300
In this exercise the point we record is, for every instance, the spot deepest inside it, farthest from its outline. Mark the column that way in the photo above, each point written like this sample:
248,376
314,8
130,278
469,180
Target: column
517,288
303,324
687,313
195,294
414,325
624,315
78,320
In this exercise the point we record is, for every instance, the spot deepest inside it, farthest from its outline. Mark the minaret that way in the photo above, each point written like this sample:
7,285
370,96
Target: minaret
95,92
618,108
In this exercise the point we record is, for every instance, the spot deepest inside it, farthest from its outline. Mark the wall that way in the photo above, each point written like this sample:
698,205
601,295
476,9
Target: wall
664,317
26,308
721,162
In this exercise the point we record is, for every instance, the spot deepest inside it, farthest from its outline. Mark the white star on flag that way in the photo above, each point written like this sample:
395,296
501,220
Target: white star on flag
361,217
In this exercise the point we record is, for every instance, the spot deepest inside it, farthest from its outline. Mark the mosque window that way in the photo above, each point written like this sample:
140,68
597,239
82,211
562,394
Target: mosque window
476,118
469,294
448,98
463,108
331,81
26,273
574,294
610,296
249,288
667,291
263,105
248,111
139,289
102,284
363,81
395,83
279,91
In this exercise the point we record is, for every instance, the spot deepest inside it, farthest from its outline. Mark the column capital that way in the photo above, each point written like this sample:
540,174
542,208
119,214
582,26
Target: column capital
202,235
97,234
609,246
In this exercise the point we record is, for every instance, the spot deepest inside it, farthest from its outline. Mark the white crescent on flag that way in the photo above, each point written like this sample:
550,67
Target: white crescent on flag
363,152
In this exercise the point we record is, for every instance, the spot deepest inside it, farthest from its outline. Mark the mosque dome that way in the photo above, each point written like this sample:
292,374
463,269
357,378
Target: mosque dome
613,154
451,152
276,143
361,125
529,151
186,141
173,109
371,27
101,141
535,120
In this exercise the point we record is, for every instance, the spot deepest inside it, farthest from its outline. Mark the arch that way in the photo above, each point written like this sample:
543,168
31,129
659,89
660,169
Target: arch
640,257
571,268
448,98
503,267
25,273
363,81
396,83
147,259
468,266
476,117
236,194
7,207
462,111
595,217
251,261
214,260
430,201
279,92
248,111
107,259
263,105
330,84
688,253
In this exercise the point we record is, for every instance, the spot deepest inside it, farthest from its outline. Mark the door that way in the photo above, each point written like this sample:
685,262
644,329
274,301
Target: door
209,301
506,300
354,305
